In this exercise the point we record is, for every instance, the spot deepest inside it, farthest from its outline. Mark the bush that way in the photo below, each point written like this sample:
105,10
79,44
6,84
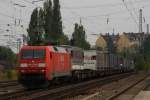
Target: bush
6,54
139,62
8,75
11,74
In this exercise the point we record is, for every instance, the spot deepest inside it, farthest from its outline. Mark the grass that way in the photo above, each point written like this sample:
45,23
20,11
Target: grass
10,74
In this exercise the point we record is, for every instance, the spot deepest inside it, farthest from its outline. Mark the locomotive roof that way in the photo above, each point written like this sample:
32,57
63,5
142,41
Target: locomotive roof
33,47
59,49
70,47
53,48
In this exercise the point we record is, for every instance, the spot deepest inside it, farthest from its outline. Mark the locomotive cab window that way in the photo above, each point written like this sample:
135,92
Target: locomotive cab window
27,54
39,54
33,54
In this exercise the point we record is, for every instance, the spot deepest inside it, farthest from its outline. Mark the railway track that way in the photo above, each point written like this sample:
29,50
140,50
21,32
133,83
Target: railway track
106,91
7,87
133,89
4,84
57,93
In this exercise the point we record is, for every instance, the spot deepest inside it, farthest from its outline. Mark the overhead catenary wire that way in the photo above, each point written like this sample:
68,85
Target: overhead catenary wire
33,2
104,15
124,3
27,1
134,9
85,17
102,5
13,34
129,10
111,13
13,16
78,16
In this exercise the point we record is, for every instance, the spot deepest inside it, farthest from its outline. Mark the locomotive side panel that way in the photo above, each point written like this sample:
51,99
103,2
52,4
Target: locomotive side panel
61,63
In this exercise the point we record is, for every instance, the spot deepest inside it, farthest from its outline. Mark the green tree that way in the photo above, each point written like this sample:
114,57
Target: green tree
47,22
79,37
142,59
63,40
139,62
58,36
145,50
146,47
48,14
36,30
57,21
53,23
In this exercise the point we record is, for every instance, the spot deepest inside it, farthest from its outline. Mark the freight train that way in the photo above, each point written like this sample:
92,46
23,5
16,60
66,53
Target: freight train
41,65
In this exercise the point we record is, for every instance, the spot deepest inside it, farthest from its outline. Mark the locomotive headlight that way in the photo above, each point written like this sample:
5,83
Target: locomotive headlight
23,65
42,65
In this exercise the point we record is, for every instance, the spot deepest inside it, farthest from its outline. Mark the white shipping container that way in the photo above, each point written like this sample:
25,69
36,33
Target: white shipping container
90,60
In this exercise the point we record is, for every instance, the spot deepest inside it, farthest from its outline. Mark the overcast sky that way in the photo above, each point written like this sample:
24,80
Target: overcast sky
122,16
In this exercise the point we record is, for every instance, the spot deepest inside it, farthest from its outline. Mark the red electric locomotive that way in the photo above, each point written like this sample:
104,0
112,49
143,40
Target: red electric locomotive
41,64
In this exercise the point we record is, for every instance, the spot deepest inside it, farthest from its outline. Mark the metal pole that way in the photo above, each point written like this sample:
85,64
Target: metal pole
147,28
38,16
140,21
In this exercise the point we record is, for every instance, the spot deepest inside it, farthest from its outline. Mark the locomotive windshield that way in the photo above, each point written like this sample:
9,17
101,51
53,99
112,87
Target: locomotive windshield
27,54
33,54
